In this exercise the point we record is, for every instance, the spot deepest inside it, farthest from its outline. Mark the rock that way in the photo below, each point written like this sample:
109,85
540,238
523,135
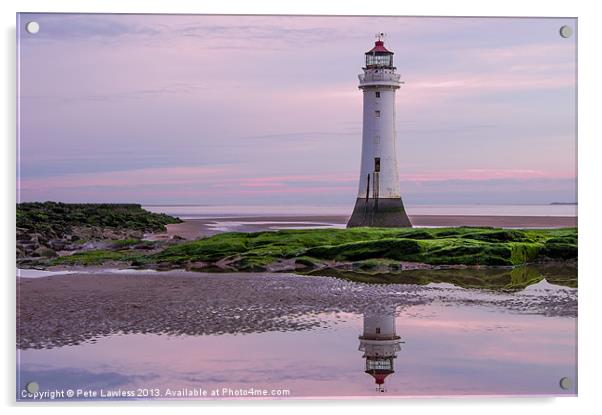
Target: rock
45,252
165,266
282,265
58,244
37,237
83,232
95,244
111,234
305,264
133,234
28,246
178,238
144,246
196,266
23,234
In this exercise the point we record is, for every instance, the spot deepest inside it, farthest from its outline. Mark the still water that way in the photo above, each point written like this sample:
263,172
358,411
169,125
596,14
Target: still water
397,340
212,211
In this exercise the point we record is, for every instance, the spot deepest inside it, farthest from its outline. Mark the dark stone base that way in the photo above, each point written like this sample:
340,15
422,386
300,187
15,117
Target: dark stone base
379,213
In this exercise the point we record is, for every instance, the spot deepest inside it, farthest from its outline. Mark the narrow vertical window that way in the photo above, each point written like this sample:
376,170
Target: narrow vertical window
377,93
378,330
377,114
377,139
377,164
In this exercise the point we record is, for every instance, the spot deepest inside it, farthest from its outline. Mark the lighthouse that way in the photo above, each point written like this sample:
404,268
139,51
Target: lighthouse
378,201
380,343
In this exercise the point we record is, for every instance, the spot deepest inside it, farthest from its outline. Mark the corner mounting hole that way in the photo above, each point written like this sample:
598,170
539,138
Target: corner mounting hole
32,27
566,31
32,387
566,383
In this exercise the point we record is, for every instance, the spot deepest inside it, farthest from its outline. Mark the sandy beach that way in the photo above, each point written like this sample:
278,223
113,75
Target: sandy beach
197,228
80,307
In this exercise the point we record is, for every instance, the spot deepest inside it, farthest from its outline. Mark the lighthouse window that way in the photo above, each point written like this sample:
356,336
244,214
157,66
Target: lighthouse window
377,139
377,93
377,166
377,114
379,60
378,330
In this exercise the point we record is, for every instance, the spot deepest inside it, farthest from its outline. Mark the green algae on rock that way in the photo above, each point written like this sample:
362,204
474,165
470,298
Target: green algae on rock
440,246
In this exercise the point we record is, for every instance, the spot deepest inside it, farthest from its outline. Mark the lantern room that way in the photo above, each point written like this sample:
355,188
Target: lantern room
379,56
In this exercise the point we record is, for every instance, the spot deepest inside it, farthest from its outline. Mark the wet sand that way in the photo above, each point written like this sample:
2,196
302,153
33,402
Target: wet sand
70,309
198,228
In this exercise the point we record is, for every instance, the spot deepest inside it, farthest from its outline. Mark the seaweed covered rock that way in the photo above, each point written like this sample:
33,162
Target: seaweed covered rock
65,226
399,249
561,251
374,248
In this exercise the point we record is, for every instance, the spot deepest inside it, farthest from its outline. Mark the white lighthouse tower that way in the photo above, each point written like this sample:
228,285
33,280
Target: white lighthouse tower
378,201
380,343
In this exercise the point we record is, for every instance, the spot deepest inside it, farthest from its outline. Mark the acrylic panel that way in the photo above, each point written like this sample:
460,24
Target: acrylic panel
280,207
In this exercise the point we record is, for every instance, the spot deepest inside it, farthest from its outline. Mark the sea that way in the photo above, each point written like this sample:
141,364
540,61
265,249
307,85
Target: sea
211,211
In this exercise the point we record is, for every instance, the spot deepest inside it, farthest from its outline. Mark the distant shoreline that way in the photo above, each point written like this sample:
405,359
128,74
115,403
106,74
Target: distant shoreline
196,228
220,211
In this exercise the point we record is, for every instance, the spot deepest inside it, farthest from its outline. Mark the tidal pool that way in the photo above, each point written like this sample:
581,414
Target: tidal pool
287,336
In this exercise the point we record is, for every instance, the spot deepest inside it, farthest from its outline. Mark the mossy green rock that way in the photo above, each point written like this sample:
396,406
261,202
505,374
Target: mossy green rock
367,248
384,248
439,246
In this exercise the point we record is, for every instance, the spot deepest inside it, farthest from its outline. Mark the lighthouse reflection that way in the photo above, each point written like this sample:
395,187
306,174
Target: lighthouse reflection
380,343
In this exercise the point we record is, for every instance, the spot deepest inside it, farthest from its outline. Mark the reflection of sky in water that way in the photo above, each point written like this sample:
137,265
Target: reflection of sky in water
51,378
448,350
255,226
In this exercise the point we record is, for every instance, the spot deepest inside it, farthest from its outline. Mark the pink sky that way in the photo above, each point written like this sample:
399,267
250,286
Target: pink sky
216,109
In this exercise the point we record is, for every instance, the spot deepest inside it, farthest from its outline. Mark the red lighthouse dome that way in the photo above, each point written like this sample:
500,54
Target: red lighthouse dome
379,56
379,377
379,46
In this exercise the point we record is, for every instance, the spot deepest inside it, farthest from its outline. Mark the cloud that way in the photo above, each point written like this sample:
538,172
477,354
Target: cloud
128,178
271,35
208,31
167,90
481,175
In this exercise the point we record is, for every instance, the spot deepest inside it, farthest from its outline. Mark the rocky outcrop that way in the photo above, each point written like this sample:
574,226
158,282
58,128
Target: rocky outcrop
31,244
45,252
28,242
97,233
47,229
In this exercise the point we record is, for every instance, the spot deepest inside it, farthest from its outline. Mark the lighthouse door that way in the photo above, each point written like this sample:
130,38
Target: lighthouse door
376,178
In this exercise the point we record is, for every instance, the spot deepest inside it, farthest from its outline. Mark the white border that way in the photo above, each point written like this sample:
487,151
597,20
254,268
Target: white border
589,194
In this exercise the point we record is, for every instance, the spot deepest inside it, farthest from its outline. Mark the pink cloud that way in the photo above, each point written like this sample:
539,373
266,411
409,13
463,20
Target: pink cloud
483,174
151,176
299,190
280,180
228,180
